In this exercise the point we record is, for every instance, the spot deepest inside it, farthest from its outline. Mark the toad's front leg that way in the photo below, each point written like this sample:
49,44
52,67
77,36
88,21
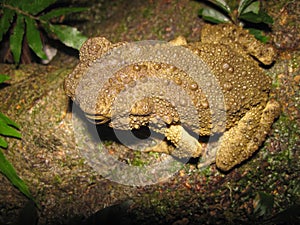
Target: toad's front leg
186,145
241,141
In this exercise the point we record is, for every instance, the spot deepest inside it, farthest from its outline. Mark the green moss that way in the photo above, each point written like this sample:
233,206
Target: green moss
147,13
137,160
57,179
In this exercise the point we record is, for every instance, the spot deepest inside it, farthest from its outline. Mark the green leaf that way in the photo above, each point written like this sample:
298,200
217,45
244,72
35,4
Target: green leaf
3,78
34,38
254,14
3,143
16,39
5,21
263,203
243,5
251,17
70,36
262,17
265,17
8,121
35,6
213,16
7,130
259,35
8,170
254,7
222,4
61,11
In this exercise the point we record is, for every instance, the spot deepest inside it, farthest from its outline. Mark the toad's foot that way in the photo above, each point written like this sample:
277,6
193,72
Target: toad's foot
241,141
162,147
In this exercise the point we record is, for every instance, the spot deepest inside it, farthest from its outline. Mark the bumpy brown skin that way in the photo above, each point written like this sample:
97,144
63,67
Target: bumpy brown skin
240,39
249,112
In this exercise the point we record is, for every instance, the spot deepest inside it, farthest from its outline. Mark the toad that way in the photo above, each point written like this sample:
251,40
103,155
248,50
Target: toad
233,77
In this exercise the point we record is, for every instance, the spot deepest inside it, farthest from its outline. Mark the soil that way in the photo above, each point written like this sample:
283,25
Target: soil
263,190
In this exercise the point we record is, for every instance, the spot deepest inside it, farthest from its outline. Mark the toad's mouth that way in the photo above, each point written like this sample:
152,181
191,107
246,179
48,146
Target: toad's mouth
97,119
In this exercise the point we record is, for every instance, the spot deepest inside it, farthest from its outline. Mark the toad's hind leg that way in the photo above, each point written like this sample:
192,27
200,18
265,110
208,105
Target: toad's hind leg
241,141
